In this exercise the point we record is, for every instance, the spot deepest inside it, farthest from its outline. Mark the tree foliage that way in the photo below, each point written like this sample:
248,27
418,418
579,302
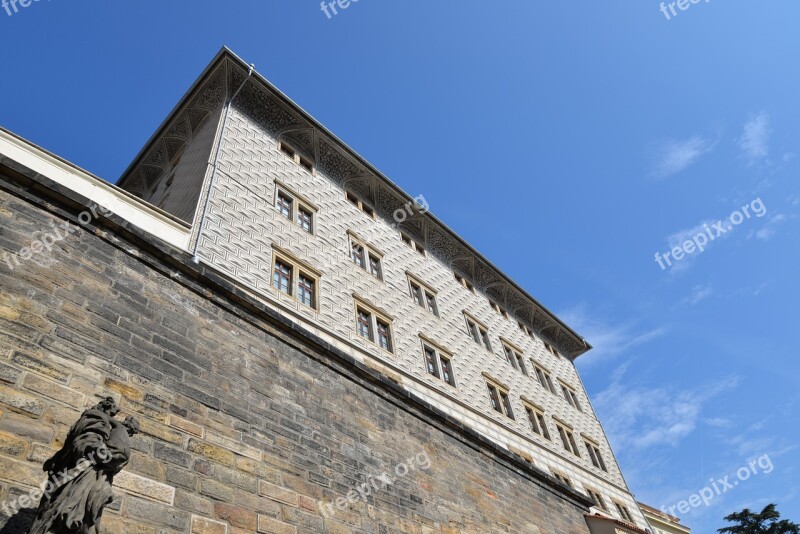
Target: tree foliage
768,521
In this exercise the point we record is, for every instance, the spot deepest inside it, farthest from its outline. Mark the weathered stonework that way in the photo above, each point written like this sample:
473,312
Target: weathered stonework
248,422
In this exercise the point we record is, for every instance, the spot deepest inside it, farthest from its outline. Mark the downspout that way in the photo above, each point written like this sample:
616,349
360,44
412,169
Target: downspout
195,259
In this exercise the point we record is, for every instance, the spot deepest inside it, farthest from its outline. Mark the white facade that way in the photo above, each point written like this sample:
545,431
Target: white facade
243,232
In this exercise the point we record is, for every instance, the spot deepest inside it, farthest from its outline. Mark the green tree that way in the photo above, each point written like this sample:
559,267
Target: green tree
767,522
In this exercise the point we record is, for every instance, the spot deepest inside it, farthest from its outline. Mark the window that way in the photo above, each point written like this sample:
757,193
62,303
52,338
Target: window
496,307
384,335
288,203
282,277
538,423
562,478
544,379
438,363
305,290
597,499
514,358
366,257
296,279
524,328
501,403
623,512
412,243
568,439
464,282
550,348
571,396
360,204
478,332
374,326
292,154
284,205
305,219
594,454
424,296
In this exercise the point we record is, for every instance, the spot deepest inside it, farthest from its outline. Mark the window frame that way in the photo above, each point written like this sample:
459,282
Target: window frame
597,497
623,511
413,244
424,296
375,317
297,269
514,355
368,254
498,308
363,206
440,356
595,455
464,282
482,330
571,395
537,420
567,435
298,204
499,397
543,377
293,154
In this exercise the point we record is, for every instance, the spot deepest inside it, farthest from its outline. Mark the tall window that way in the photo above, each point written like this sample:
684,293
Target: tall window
464,282
365,257
306,290
374,327
284,205
623,511
598,500
365,324
294,278
288,203
292,154
499,399
360,204
568,439
305,218
594,454
478,332
538,422
424,296
571,396
544,378
282,277
499,309
415,245
514,358
438,364
384,335
550,348
564,479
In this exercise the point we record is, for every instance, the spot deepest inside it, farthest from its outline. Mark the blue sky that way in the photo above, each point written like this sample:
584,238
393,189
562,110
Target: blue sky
567,142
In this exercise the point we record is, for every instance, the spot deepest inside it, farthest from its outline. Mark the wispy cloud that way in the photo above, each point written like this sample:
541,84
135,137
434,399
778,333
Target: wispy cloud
754,142
699,293
766,232
608,340
673,156
639,418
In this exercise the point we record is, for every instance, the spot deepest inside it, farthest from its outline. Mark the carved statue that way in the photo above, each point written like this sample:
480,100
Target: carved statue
80,475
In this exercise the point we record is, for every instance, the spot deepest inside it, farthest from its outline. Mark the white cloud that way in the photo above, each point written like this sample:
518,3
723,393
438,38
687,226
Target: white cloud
754,142
607,340
638,418
699,293
766,232
673,156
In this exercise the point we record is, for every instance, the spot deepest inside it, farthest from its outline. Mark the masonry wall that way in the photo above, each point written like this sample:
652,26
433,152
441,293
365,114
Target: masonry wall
246,424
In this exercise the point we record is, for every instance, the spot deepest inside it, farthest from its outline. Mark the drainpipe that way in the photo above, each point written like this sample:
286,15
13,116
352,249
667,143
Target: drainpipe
195,259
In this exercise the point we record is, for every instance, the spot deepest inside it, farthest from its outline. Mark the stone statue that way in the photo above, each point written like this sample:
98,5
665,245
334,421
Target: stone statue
80,475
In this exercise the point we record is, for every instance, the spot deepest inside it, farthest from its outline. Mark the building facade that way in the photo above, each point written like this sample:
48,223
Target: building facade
663,523
243,197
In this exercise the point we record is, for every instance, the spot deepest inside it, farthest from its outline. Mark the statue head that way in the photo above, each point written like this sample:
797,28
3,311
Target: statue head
132,425
108,405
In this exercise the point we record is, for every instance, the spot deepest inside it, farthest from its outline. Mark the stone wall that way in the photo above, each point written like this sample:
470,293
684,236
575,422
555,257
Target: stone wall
248,423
